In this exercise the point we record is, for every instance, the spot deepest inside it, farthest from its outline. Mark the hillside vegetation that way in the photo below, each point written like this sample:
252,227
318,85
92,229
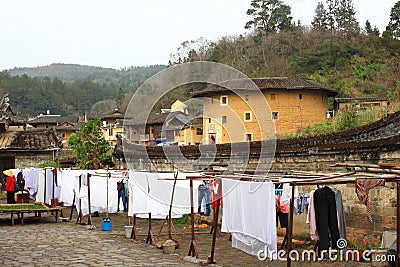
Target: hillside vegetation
363,65
128,78
335,50
69,89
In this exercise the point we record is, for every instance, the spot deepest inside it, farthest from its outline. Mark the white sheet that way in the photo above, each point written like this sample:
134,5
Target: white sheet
249,214
149,193
68,178
31,177
40,188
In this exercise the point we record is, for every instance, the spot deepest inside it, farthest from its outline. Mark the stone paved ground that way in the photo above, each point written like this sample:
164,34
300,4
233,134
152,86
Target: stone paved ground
46,243
42,242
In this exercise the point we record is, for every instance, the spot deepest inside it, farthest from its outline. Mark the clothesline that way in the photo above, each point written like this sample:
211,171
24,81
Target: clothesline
294,178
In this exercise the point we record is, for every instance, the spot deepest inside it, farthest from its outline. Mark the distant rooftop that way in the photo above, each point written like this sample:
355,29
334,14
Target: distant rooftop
53,119
359,99
30,140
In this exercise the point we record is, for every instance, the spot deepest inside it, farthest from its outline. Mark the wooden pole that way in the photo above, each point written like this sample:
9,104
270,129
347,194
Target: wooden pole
80,215
290,232
134,234
90,209
193,248
72,208
216,214
108,177
398,224
150,237
170,207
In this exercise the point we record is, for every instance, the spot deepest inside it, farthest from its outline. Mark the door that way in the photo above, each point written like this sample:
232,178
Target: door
5,164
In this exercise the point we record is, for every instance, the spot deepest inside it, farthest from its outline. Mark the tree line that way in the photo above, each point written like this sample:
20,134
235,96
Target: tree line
31,96
69,89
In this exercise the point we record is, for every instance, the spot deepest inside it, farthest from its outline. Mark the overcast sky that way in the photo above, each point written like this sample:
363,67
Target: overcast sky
123,33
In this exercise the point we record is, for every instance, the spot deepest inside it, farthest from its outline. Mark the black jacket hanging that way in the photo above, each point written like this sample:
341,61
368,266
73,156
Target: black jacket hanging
326,217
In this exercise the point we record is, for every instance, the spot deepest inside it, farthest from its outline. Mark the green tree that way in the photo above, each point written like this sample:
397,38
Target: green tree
371,31
393,28
368,27
320,18
269,16
333,6
346,21
120,98
348,119
89,145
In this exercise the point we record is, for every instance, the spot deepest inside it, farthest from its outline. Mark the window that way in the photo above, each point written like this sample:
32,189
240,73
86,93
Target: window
300,96
209,120
275,116
177,132
224,100
273,97
223,119
246,97
110,131
249,137
247,116
199,131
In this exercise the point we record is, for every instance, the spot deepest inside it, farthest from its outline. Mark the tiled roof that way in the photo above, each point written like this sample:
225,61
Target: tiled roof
160,118
68,128
265,84
11,119
30,140
6,139
360,99
114,115
194,122
53,120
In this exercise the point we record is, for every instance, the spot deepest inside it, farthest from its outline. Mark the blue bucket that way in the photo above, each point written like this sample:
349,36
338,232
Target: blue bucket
106,224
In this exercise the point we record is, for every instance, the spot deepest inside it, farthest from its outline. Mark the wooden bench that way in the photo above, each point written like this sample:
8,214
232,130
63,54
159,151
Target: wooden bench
20,209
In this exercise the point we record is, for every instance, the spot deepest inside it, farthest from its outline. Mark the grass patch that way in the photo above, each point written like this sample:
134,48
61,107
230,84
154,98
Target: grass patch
183,220
6,207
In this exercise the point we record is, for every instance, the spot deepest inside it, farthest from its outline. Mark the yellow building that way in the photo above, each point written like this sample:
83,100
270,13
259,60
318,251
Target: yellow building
112,126
191,133
65,130
64,126
179,105
278,107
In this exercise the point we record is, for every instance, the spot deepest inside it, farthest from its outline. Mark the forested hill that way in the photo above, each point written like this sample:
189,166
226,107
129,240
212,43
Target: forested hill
69,89
128,78
335,50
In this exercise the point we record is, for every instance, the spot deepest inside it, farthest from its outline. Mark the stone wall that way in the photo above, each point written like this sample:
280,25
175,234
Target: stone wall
33,160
